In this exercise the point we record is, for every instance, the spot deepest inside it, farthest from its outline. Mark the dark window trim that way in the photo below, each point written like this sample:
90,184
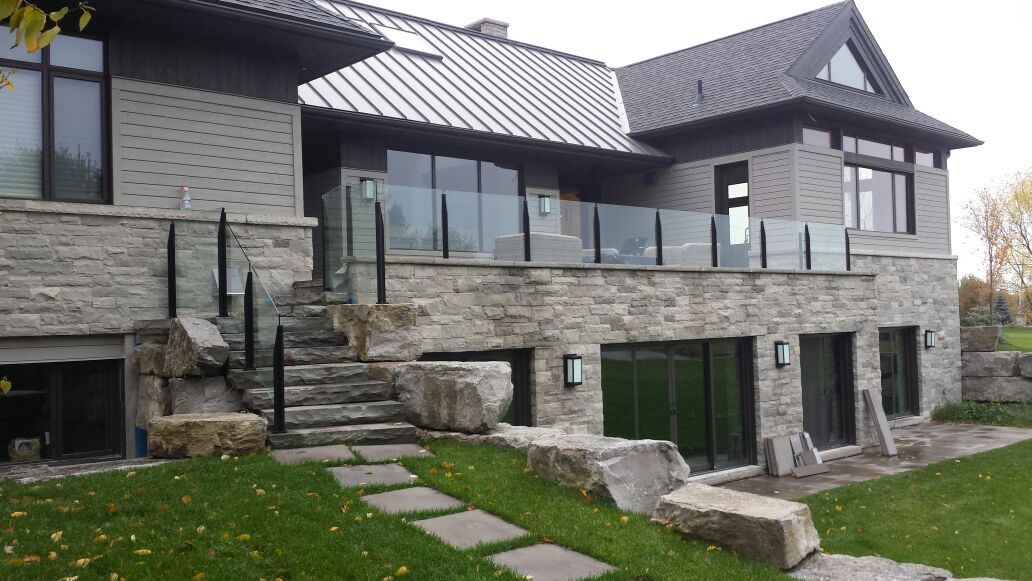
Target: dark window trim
878,91
48,73
843,346
875,162
911,205
722,179
909,337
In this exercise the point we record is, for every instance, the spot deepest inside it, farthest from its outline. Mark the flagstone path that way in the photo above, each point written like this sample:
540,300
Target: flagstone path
462,530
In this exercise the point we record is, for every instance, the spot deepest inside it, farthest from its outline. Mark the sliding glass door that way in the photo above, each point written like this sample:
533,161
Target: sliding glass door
827,389
898,371
696,394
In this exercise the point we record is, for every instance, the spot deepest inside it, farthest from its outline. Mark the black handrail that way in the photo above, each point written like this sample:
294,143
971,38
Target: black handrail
598,237
444,224
713,241
170,254
249,323
381,257
763,245
849,260
279,423
659,239
806,241
526,229
223,244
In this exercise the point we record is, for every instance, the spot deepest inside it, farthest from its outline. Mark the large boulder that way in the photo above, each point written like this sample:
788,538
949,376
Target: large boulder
379,332
149,359
821,567
198,395
980,338
447,395
195,348
771,530
153,400
1025,364
632,473
503,436
989,364
205,435
1005,389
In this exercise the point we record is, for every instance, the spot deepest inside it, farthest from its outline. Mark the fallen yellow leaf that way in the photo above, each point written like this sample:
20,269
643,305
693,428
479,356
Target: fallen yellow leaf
18,514
198,577
403,570
186,499
244,537
142,552
56,536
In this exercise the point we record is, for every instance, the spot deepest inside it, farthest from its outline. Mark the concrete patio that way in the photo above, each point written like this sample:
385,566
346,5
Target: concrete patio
919,445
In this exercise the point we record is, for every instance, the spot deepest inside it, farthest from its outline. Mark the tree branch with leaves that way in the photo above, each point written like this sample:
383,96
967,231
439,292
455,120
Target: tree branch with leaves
35,28
986,216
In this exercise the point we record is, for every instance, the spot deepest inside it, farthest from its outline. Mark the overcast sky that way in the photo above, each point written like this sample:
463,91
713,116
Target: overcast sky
964,63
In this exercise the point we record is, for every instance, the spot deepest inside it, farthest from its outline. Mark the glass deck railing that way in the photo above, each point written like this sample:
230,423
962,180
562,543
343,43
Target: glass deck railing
541,229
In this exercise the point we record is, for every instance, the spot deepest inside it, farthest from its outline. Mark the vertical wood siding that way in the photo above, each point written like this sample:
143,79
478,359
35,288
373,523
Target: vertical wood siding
234,152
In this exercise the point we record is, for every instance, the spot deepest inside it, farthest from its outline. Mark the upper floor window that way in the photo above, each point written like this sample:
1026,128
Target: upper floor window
877,200
845,69
54,144
818,137
873,148
925,158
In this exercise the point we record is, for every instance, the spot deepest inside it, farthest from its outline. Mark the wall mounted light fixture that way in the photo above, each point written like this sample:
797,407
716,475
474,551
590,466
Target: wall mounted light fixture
545,205
573,370
930,338
782,355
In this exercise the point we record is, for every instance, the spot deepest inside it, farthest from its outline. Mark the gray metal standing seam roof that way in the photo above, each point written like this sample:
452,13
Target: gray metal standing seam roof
479,83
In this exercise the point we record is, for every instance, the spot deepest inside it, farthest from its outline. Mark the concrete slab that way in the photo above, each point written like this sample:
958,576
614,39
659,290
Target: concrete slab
469,529
381,452
350,476
340,453
412,500
551,563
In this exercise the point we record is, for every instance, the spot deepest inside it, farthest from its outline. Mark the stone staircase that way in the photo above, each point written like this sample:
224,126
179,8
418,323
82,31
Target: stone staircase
330,398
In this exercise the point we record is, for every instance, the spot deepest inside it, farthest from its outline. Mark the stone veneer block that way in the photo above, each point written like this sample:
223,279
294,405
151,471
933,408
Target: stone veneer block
379,332
551,563
470,528
381,452
196,395
350,476
338,453
204,435
416,499
989,364
149,359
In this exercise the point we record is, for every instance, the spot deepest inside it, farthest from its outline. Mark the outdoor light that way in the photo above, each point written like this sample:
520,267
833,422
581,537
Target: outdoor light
545,205
782,356
573,370
930,339
368,188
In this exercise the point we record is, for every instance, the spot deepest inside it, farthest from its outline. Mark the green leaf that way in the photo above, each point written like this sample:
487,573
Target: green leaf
16,17
7,8
84,19
57,15
48,36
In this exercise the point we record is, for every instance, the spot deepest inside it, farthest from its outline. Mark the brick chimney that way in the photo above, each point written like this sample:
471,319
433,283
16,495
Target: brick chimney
491,26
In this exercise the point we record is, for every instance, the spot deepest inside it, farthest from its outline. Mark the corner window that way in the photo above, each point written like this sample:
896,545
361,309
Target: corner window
925,158
55,147
817,137
845,69
876,200
873,148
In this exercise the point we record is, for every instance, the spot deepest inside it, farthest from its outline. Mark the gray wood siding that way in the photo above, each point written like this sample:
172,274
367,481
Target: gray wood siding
819,171
770,185
932,202
234,152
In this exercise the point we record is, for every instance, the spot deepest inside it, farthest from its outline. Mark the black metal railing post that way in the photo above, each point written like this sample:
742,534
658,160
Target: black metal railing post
763,245
349,221
659,239
849,259
806,242
249,322
279,423
170,254
598,236
325,239
714,251
526,229
444,224
381,258
222,276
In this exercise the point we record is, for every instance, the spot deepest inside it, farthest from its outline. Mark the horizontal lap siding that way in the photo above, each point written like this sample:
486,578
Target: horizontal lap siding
819,173
234,152
931,198
770,185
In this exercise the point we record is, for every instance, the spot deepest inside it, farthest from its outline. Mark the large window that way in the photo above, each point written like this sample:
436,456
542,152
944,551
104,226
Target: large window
845,69
877,200
54,141
898,371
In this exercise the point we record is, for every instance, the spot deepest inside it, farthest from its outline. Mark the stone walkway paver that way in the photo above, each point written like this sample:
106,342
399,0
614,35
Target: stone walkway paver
372,474
415,499
381,452
551,563
339,453
469,529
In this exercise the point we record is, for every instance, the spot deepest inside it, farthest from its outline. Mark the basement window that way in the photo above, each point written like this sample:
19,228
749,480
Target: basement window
408,41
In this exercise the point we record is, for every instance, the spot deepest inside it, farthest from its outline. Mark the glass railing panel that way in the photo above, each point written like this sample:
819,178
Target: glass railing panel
237,267
484,226
733,240
349,241
562,232
412,219
786,248
627,234
196,247
827,247
686,238
265,314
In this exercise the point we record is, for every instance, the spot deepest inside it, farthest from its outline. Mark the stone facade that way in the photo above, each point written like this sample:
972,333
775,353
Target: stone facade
79,269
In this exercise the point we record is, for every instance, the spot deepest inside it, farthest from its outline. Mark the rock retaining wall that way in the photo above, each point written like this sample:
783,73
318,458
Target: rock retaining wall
1004,376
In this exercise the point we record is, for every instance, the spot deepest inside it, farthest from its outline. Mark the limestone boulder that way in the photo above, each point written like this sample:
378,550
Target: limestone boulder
503,436
1004,389
821,567
777,532
980,338
197,395
195,348
632,473
989,364
446,395
153,400
205,435
379,332
149,359
1025,364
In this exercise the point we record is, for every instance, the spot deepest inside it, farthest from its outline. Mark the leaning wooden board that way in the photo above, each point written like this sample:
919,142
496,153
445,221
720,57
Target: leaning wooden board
881,425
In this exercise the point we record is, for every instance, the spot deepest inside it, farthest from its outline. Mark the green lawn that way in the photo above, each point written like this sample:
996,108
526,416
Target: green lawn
970,515
1016,339
1018,415
251,518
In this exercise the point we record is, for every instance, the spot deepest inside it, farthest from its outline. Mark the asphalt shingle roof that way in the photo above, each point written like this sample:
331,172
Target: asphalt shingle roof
306,11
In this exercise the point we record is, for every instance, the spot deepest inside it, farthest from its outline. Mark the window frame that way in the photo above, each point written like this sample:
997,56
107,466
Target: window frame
911,226
48,73
876,89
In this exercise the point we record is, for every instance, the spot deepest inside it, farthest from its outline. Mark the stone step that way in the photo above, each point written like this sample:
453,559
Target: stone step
303,297
304,311
296,356
308,284
347,414
300,375
359,391
390,433
290,325
294,339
